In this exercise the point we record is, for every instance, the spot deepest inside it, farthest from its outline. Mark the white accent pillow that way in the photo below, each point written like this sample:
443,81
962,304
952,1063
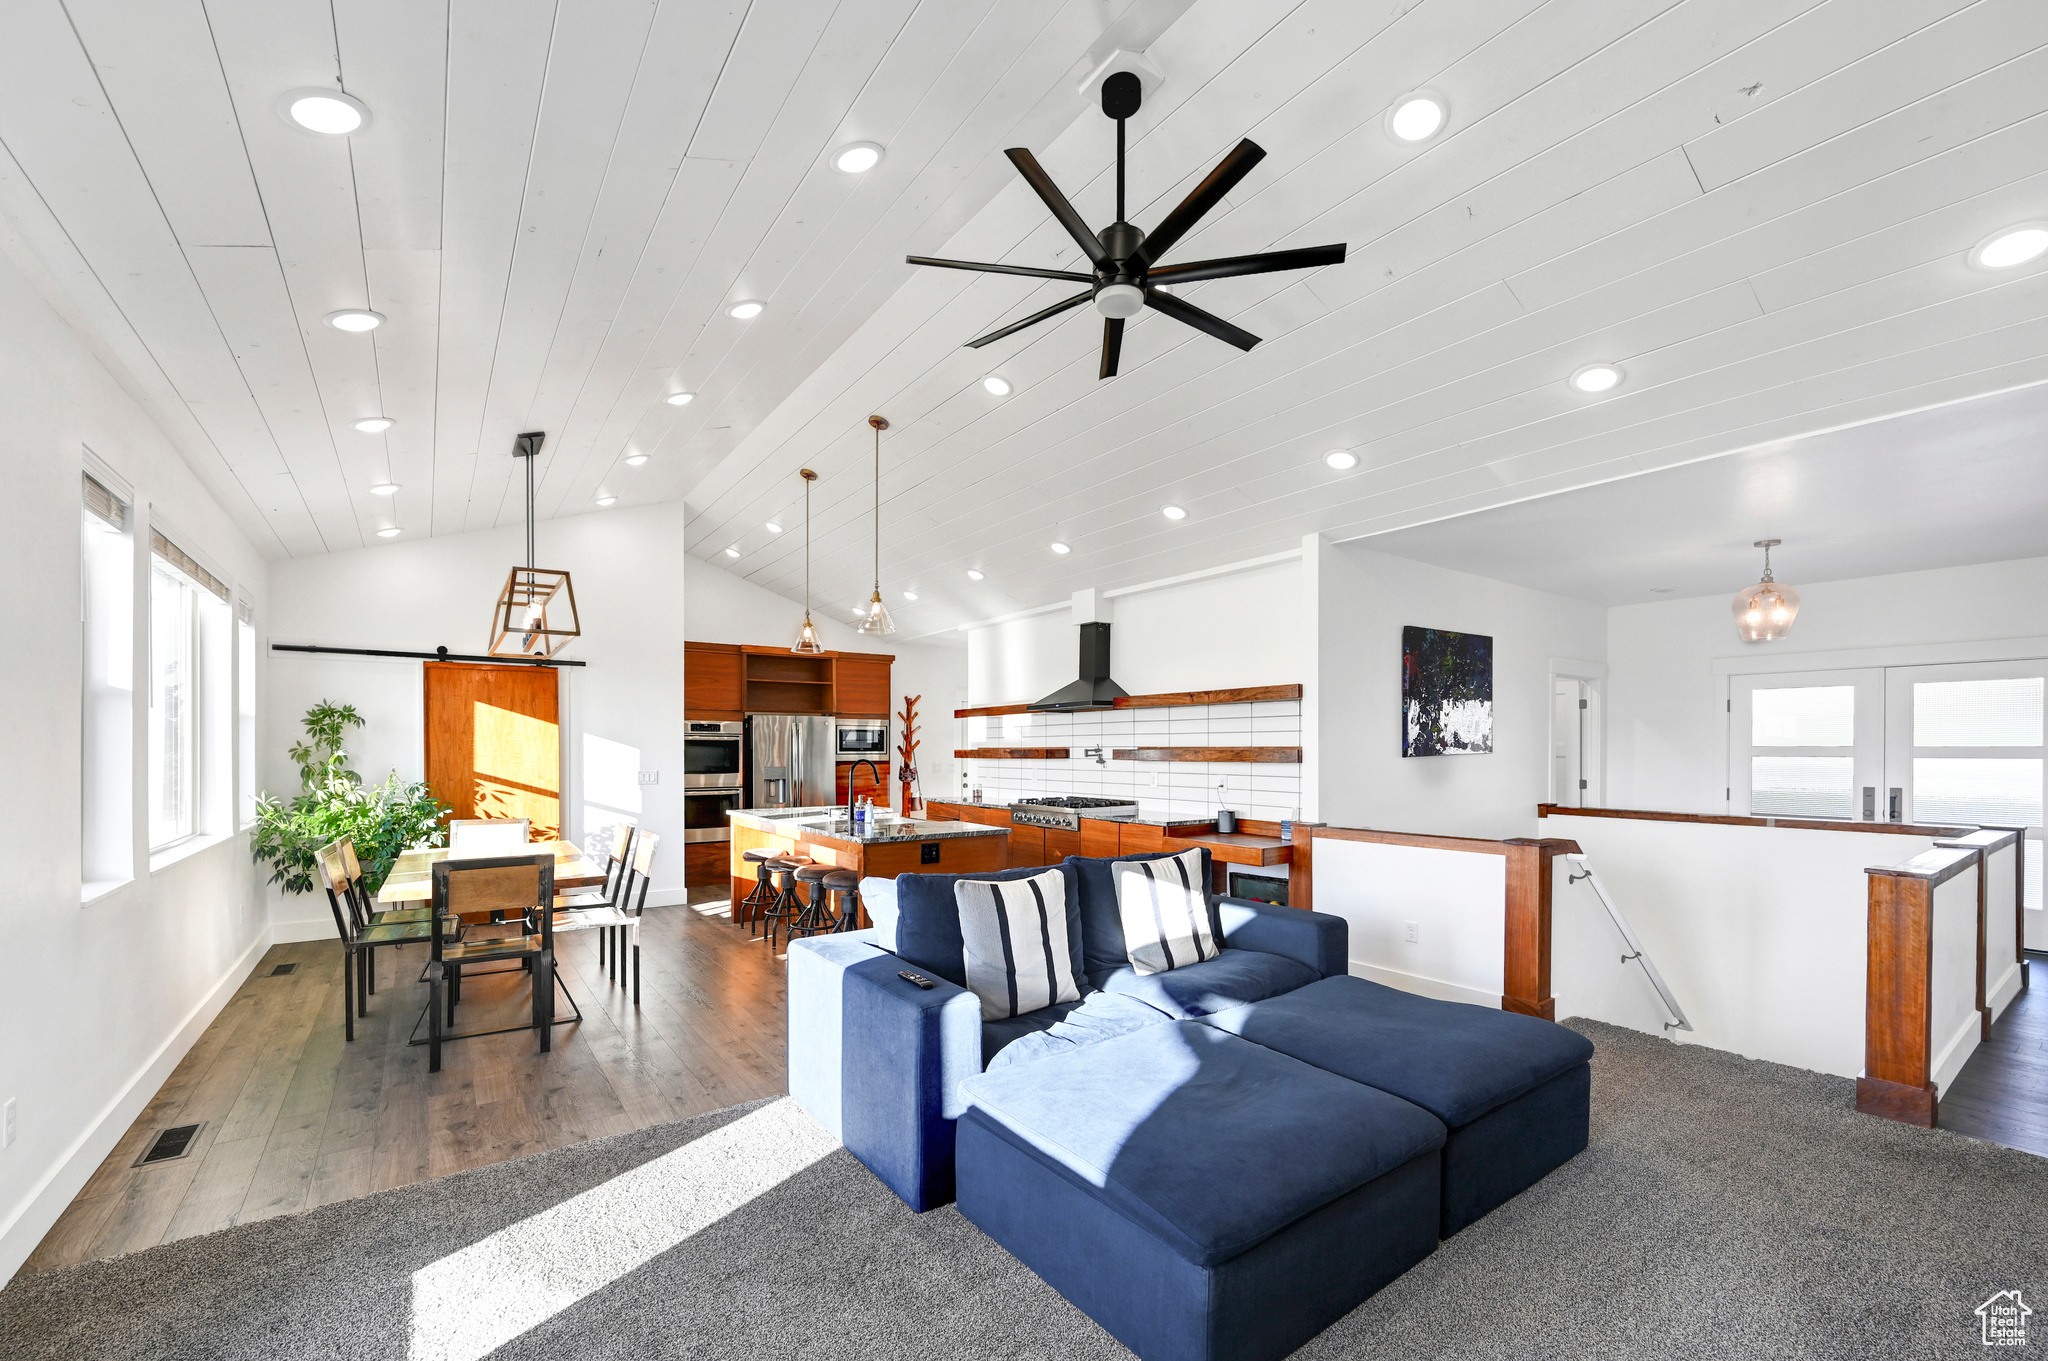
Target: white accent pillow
1165,909
1017,955
878,896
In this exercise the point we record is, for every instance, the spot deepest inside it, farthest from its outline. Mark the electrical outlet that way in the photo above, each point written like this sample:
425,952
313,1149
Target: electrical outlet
1414,933
650,777
7,1123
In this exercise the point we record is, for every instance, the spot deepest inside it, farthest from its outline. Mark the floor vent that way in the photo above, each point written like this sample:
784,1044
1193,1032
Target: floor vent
281,970
171,1143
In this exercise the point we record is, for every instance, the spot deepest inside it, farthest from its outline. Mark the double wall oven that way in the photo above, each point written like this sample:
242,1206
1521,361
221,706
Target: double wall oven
714,778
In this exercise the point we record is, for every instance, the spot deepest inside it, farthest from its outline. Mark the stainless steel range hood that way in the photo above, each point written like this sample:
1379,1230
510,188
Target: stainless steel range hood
1094,690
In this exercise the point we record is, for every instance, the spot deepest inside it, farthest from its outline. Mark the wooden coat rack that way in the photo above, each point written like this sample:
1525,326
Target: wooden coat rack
906,770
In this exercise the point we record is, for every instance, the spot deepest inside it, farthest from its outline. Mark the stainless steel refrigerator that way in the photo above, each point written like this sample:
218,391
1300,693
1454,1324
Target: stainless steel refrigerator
789,761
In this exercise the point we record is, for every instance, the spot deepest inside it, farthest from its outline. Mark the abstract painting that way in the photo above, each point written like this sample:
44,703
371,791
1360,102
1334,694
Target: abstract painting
1446,692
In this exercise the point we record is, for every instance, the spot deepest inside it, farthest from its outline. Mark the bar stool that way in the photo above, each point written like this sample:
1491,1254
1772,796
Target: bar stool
816,917
844,886
757,902
785,907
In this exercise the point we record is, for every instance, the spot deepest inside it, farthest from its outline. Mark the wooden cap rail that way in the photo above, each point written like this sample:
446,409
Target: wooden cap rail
1525,975
1547,810
1183,699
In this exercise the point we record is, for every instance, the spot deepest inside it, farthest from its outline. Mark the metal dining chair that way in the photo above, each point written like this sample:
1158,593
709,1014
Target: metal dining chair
618,863
521,890
475,838
360,938
619,921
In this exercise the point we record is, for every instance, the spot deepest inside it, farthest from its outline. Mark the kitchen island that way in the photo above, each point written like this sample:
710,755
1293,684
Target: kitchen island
893,846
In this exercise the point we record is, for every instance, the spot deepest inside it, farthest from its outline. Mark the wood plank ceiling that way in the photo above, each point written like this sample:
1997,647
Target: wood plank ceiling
1759,208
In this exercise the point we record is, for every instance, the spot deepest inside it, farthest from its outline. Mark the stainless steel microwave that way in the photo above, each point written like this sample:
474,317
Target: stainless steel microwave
860,737
713,754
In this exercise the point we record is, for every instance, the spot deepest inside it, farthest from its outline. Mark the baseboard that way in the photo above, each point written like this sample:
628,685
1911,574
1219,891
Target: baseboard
1950,1057
1425,986
40,1209
1999,994
309,928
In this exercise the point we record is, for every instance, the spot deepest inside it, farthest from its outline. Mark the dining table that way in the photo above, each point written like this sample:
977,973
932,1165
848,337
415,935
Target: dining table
412,875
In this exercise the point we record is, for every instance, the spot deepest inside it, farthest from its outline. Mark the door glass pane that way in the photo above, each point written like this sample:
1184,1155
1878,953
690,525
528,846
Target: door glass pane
2005,793
1802,786
1811,716
1985,713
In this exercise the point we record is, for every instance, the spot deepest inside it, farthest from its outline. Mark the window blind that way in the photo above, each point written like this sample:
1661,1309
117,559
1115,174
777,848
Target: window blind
245,612
103,503
184,562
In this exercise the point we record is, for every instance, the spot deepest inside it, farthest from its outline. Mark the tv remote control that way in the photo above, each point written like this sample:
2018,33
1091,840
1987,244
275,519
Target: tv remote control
917,978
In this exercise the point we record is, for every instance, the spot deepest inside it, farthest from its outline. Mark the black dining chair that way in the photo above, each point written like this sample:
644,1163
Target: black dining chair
361,937
516,892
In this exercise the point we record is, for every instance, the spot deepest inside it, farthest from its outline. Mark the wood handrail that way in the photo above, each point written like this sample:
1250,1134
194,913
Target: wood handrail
1545,810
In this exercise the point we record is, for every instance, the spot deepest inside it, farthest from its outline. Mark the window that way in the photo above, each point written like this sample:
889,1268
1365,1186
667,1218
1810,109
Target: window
245,709
107,691
1807,744
188,640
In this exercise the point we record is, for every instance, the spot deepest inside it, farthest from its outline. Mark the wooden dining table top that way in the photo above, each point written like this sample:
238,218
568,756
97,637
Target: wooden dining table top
412,875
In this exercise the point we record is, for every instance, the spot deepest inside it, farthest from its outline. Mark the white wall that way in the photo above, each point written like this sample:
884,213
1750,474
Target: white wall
1364,599
1665,722
104,998
721,607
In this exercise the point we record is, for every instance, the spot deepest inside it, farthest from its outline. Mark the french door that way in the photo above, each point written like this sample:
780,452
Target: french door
1808,745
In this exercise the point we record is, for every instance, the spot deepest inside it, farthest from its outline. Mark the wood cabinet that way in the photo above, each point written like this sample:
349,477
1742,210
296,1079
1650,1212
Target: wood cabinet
704,863
714,685
862,685
1059,845
1098,838
865,782
1027,847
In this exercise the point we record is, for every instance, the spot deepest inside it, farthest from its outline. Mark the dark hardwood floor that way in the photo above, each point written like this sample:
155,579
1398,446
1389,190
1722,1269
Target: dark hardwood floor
2002,1093
295,1117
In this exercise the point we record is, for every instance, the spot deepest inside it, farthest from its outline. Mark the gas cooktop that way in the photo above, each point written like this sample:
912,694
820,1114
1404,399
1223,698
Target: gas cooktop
1065,813
1079,803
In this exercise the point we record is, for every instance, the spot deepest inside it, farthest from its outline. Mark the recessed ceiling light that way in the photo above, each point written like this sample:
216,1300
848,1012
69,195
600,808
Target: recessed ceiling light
732,552
1173,512
973,575
910,595
1061,548
680,398
384,489
857,158
1340,459
388,532
1417,116
375,425
354,319
1596,378
997,385
773,528
634,460
326,111
607,500
2011,246
746,310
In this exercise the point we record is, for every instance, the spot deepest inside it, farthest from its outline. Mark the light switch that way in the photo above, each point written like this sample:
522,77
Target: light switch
650,777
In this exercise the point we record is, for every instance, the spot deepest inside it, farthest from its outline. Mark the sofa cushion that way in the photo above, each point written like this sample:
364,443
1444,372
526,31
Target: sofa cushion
1097,1017
1163,905
1455,1060
999,1036
1230,980
1210,1143
1102,929
928,921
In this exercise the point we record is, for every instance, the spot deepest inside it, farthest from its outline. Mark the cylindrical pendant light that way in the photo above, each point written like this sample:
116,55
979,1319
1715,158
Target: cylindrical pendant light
807,636
878,621
1766,610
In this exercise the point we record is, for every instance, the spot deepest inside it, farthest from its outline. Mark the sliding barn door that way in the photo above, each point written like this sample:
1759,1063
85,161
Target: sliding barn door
494,747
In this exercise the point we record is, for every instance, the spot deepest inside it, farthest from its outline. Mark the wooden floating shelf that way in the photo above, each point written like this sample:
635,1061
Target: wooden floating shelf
1216,755
1013,753
1180,700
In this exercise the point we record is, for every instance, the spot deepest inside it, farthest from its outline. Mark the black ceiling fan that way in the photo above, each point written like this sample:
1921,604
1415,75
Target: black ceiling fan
1126,277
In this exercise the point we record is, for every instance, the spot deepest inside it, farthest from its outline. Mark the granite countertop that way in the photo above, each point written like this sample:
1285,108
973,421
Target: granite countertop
830,823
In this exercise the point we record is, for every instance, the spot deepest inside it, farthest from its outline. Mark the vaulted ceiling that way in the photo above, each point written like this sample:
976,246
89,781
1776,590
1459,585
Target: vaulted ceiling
1760,209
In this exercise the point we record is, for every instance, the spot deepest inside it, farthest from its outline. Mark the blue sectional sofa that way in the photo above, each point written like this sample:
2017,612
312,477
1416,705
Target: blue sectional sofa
1216,1161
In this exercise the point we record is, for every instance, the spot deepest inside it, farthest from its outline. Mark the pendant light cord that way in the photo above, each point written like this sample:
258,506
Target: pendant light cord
878,508
807,550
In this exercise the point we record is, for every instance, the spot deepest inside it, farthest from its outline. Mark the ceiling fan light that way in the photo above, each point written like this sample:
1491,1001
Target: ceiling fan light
1119,301
857,158
2011,246
1417,116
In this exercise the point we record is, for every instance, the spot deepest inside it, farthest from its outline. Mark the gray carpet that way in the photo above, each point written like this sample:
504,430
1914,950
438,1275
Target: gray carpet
1726,1208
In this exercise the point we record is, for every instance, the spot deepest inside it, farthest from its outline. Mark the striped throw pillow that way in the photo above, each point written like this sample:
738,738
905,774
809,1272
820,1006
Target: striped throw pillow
1165,909
1015,932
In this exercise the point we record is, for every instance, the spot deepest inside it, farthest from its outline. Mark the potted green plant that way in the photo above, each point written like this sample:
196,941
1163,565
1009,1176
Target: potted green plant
383,820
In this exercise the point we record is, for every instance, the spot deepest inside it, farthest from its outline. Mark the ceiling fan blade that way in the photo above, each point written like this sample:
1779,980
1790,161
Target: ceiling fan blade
1041,183
1034,318
1112,346
1025,270
1202,321
1203,197
1308,257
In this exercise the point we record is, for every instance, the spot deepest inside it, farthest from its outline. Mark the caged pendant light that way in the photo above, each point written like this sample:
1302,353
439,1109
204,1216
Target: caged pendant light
1766,610
807,636
878,621
536,612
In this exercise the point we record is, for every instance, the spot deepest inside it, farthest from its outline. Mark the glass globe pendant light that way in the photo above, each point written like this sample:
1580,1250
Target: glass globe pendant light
807,636
878,621
1766,610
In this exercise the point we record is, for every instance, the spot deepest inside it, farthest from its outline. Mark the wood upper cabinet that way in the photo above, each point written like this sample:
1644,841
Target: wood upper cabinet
714,682
861,686
864,783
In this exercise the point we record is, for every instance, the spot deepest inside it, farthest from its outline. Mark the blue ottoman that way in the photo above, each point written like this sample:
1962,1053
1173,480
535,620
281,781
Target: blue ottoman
1200,1197
1514,1090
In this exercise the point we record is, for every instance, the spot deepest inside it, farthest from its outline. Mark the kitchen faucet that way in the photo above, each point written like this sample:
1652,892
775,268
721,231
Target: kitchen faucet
873,770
